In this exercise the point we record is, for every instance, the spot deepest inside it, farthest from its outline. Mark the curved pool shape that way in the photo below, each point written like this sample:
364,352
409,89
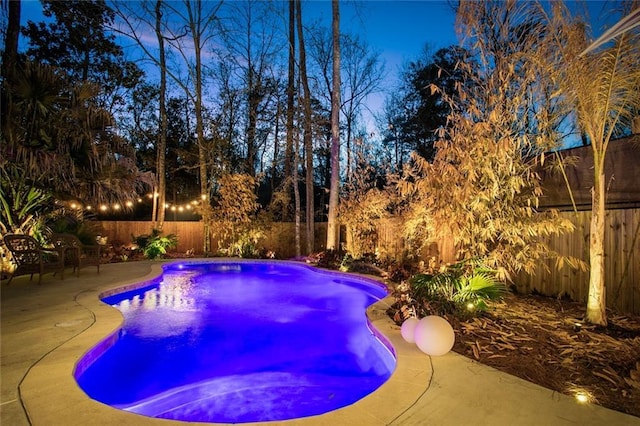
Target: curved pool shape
235,342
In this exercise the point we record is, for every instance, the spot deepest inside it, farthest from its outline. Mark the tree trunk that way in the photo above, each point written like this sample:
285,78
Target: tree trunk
276,149
596,302
348,140
296,197
288,153
333,228
202,149
162,137
308,140
253,102
9,61
12,34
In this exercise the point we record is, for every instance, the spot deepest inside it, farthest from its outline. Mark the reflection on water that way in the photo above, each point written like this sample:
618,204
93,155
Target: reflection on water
241,342
174,292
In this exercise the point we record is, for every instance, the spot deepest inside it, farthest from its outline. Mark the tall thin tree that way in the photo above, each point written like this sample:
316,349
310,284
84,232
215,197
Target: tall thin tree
198,22
290,166
161,149
333,228
602,86
307,137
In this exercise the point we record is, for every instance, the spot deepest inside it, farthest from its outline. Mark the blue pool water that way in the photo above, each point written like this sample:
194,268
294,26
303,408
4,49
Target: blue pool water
238,342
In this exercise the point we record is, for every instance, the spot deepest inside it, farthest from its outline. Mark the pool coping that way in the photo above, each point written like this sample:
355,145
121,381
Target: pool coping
50,384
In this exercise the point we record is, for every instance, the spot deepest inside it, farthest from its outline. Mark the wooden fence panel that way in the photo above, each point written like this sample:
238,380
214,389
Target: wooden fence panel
190,234
279,238
622,258
390,242
622,262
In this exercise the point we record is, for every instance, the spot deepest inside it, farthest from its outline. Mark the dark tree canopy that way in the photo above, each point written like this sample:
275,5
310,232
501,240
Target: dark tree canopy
418,112
78,42
59,135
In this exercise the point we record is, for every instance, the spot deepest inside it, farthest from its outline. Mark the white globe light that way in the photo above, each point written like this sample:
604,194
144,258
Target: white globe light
408,329
434,335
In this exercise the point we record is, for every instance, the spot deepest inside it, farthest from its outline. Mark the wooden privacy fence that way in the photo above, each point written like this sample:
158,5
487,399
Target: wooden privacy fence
622,252
622,262
189,233
391,244
622,259
279,238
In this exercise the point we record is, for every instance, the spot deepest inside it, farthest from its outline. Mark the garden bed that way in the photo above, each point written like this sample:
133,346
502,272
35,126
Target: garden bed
544,341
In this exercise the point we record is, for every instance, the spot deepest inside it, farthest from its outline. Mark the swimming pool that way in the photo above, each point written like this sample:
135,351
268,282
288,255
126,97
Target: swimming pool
235,342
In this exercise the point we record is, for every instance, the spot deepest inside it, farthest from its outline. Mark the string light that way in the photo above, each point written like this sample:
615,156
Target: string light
129,204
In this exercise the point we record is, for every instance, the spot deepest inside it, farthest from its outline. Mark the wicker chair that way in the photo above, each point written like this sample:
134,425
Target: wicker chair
77,254
31,258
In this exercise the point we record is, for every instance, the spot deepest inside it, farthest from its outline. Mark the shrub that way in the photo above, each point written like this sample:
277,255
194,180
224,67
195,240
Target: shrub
462,289
155,245
24,205
246,244
238,228
72,221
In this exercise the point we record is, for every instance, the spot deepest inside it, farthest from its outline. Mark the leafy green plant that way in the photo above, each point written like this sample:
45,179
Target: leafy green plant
462,289
74,221
346,262
329,259
23,205
155,245
246,244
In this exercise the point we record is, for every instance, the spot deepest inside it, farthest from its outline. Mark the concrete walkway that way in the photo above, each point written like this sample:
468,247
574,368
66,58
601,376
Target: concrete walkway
46,329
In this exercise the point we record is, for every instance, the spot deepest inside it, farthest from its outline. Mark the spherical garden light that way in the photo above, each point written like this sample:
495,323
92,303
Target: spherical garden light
407,330
434,335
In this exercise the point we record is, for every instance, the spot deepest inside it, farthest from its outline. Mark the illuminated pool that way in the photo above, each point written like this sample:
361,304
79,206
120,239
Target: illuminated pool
235,342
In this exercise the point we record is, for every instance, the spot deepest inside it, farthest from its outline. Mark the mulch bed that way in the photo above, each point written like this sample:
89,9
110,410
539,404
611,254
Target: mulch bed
545,341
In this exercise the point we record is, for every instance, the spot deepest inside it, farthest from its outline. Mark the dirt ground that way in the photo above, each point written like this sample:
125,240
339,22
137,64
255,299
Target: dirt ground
545,341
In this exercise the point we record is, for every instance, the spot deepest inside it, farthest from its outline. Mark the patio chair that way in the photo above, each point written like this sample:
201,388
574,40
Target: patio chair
77,254
31,258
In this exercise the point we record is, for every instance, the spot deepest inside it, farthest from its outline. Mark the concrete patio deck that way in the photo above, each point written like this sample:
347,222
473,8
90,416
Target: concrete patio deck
46,329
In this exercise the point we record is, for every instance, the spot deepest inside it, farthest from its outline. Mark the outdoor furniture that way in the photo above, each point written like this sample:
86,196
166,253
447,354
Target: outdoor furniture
77,254
31,258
